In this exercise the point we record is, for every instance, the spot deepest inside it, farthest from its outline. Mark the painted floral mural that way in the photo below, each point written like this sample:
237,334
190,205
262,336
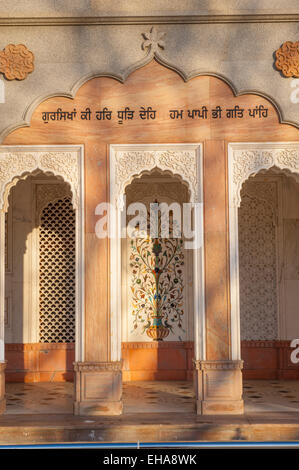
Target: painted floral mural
157,286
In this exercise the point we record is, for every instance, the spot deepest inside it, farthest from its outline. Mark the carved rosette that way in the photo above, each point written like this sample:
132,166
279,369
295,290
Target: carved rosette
132,163
14,166
16,62
287,59
247,163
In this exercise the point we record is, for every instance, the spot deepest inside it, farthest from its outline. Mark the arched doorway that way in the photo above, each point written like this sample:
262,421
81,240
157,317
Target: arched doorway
157,292
47,203
183,161
263,240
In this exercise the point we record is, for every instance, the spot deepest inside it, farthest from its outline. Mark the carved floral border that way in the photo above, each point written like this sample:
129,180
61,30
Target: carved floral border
246,159
245,163
18,164
129,163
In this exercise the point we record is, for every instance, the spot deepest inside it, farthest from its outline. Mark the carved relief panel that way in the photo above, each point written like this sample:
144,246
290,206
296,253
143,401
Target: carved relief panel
258,260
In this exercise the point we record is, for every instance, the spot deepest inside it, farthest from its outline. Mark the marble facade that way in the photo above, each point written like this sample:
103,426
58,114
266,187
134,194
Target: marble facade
223,133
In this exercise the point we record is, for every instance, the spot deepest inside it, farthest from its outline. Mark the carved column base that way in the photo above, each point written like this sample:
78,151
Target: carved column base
2,387
98,388
218,387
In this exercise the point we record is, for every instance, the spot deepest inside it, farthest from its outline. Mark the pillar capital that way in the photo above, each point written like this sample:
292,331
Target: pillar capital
218,365
97,366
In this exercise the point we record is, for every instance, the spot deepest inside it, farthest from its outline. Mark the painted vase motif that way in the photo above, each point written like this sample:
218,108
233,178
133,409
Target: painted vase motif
157,285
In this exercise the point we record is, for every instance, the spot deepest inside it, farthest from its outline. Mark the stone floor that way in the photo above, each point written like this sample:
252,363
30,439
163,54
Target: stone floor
39,398
260,396
158,397
153,412
271,395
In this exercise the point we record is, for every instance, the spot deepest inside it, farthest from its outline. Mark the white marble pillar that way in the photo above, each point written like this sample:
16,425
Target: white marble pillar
2,304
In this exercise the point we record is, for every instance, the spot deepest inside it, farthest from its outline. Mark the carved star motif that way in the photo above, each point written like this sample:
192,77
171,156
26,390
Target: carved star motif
153,40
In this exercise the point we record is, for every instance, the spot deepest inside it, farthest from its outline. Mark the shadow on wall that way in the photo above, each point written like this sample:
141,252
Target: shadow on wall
39,285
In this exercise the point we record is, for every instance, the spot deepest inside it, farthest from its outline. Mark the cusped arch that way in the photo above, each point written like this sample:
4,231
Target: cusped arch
24,176
166,173
65,162
127,162
18,163
246,159
122,77
130,161
274,170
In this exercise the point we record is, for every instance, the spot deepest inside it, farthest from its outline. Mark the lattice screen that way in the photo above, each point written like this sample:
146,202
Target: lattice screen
57,273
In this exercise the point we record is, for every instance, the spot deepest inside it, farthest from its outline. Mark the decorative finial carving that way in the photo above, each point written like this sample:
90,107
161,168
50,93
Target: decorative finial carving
16,62
153,40
287,59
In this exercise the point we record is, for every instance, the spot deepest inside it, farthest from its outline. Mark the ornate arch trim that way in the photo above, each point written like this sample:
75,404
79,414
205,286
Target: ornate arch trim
126,163
244,160
130,161
66,162
17,162
50,193
248,159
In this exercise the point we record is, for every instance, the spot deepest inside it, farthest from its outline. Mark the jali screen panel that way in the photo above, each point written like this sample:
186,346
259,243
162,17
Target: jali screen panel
57,273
